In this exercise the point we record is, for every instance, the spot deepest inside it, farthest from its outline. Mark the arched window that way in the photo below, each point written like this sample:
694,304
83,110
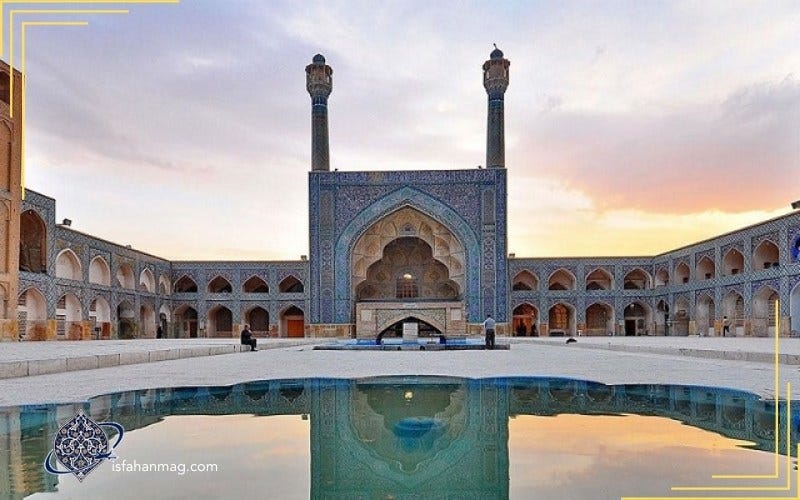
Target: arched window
290,284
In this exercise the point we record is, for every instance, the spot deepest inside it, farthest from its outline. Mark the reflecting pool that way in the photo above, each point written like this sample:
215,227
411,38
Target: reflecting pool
410,437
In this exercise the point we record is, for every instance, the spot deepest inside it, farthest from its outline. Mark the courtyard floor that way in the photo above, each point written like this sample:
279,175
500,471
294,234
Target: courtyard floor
610,360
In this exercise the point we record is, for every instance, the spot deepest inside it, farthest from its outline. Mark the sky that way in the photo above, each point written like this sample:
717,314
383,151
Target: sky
632,128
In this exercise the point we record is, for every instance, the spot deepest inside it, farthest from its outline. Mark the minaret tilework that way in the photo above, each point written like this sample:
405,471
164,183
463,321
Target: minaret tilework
319,83
495,81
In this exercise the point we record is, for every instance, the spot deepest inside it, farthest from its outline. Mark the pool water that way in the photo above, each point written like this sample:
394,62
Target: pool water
408,437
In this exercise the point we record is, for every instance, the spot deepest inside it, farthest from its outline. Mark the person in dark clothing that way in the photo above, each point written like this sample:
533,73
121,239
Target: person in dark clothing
488,328
159,332
247,338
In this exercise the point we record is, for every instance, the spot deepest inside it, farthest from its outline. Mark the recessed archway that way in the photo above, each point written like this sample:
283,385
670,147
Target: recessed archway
219,285
126,320
125,277
147,281
147,320
561,320
705,269
599,279
100,315
561,280
525,319
186,321
219,322
637,279
258,319
32,243
99,272
763,320
32,314
255,285
637,318
68,266
185,284
524,280
164,287
599,319
705,314
291,284
407,271
662,277
292,322
733,262
681,317
765,256
407,225
794,309
681,273
733,309
69,316
424,329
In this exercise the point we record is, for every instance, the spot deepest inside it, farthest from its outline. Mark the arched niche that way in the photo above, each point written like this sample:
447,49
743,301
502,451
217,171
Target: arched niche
32,243
408,222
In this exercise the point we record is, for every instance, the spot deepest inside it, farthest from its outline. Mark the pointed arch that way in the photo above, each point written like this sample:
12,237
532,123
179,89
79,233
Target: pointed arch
561,319
255,284
524,280
99,272
681,274
292,322
637,316
147,281
662,277
681,316
68,265
599,279
164,286
69,314
561,279
219,285
125,277
32,315
32,242
599,319
733,309
636,279
291,284
705,314
525,318
732,262
765,256
763,316
185,284
258,319
186,321
219,322
705,269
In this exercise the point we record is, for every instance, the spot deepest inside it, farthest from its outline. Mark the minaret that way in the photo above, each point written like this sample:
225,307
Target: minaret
495,81
319,84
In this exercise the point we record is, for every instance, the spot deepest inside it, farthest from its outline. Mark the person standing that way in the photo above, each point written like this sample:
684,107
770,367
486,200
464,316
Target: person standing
488,328
159,332
726,326
247,338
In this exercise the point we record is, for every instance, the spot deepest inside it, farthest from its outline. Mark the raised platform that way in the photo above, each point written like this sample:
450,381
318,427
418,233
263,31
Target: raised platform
418,345
25,359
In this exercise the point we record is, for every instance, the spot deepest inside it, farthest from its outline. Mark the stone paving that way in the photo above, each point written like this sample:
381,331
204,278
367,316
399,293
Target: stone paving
527,357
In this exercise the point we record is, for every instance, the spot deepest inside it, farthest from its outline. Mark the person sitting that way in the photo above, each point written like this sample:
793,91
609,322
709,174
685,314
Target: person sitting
247,338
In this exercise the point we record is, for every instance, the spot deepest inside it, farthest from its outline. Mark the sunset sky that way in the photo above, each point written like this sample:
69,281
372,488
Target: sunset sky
632,128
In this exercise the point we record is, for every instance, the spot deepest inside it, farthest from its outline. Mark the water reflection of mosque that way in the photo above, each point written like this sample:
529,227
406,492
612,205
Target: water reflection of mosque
393,434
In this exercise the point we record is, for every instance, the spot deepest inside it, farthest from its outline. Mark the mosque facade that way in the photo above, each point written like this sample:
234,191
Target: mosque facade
388,249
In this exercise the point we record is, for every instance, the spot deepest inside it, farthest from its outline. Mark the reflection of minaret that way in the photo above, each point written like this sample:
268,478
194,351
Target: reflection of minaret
319,84
495,81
